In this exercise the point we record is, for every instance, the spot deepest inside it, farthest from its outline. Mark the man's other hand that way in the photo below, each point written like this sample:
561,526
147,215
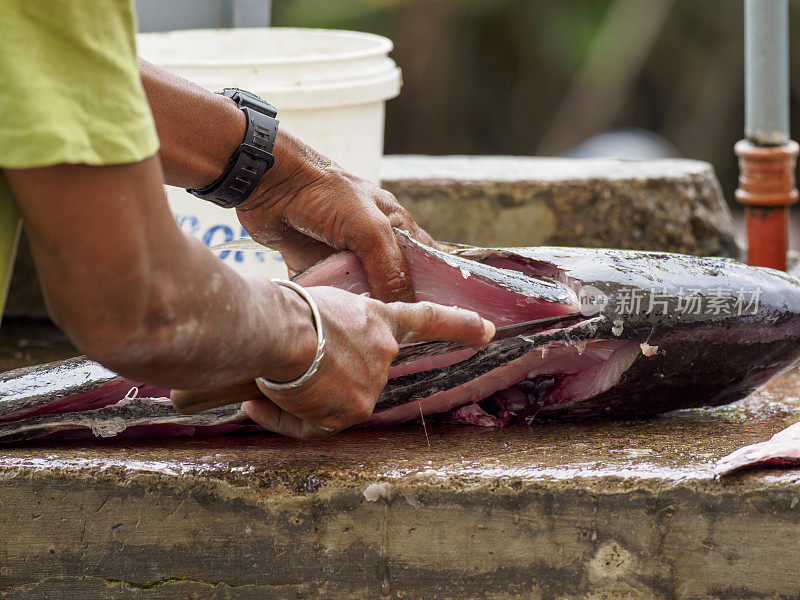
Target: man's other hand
362,338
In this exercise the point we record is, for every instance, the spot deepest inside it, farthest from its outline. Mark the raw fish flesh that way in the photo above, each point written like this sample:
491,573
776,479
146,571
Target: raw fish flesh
781,450
661,332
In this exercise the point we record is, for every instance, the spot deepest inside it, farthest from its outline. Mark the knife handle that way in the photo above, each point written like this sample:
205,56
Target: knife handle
190,402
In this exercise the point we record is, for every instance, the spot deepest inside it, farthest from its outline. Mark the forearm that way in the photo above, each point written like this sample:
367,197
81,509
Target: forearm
216,329
146,300
199,130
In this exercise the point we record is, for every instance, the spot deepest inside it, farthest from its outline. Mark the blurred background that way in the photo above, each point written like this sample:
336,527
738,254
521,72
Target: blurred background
539,77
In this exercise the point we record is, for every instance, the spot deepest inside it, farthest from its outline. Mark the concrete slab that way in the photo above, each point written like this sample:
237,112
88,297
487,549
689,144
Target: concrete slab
673,205
26,342
625,509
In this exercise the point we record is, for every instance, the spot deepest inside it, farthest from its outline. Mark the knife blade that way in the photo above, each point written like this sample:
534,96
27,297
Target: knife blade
414,352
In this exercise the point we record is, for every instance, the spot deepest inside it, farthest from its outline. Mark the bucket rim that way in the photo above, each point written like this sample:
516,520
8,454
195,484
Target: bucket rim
337,94
383,46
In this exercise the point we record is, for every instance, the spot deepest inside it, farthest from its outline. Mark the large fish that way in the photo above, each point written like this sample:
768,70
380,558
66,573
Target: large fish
659,332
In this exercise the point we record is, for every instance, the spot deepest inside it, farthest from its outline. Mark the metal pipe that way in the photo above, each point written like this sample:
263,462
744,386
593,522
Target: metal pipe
251,13
767,189
767,157
766,72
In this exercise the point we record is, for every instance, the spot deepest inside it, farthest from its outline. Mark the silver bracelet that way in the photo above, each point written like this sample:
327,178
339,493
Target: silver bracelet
295,383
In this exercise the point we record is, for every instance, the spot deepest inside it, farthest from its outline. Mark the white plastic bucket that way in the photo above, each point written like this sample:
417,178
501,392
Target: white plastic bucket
329,87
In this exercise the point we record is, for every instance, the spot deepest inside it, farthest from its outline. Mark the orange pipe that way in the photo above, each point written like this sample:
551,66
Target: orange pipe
767,236
767,190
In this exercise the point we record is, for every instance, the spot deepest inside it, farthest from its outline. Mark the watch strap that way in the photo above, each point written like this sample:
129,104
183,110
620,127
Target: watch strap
251,159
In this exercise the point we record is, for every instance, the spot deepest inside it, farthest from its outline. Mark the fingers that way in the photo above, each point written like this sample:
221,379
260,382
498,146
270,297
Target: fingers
273,418
399,217
387,272
425,321
339,409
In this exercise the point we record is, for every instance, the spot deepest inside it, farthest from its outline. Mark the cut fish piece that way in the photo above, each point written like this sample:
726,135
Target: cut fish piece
132,418
68,385
501,295
781,450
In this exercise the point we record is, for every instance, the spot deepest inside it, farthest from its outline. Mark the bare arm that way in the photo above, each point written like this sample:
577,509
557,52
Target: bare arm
155,305
197,130
140,296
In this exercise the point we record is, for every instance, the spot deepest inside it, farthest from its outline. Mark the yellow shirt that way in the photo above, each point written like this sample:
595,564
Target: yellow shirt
69,93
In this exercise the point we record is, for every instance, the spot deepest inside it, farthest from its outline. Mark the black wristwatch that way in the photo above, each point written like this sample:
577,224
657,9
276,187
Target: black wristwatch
251,159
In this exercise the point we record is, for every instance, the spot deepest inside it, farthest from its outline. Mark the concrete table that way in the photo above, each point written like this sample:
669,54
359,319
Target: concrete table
672,205
626,509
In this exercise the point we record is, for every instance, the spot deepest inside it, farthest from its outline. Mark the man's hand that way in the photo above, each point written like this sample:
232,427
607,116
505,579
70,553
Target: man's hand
362,337
307,207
